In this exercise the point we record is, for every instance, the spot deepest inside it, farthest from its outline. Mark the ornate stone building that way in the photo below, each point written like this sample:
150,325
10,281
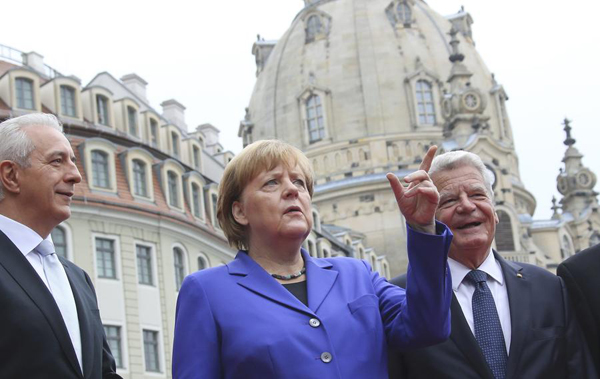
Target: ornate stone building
364,87
143,216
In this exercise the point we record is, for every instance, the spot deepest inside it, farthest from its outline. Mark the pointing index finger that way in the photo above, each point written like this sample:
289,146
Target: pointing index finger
426,164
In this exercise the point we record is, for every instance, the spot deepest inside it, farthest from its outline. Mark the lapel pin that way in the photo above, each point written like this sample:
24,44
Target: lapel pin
519,275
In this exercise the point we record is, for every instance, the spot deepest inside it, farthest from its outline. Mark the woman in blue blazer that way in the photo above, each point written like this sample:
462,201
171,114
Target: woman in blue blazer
276,312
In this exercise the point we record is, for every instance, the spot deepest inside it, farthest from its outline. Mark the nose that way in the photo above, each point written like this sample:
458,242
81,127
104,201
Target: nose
290,189
73,175
465,205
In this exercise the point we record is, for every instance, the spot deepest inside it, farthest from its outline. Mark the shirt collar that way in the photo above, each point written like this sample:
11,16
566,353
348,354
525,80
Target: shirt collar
20,235
490,266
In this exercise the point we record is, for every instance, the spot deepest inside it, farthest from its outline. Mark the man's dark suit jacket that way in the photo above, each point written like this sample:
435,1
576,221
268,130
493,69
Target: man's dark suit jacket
581,274
546,340
34,342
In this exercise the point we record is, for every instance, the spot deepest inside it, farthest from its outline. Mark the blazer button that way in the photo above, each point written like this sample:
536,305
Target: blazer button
326,357
315,323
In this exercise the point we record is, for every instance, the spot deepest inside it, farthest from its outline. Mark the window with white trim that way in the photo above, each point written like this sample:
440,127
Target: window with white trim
179,267
132,121
113,337
151,353
24,92
59,238
102,109
139,178
100,169
67,101
196,200
144,263
173,184
105,258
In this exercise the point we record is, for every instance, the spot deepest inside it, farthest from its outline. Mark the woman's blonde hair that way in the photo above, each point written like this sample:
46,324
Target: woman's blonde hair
255,158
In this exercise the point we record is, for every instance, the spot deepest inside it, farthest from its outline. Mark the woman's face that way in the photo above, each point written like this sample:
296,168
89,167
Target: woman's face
275,205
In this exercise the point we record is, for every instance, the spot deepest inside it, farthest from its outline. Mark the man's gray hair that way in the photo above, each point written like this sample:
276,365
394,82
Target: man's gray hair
15,145
456,159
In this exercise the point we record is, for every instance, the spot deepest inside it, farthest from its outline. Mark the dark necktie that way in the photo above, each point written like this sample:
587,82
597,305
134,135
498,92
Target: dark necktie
488,331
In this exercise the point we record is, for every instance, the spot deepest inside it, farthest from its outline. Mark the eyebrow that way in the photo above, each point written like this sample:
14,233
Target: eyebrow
62,154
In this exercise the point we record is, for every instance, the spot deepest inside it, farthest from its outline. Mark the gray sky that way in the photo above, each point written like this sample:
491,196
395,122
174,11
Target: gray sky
544,53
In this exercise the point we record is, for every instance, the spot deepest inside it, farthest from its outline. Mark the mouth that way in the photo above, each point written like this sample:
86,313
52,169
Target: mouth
469,225
292,210
68,194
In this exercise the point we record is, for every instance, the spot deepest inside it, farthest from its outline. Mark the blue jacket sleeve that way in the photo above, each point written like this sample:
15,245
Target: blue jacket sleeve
196,345
419,316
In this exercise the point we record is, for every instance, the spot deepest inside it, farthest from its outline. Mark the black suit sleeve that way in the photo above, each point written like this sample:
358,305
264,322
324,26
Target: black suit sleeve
582,309
580,364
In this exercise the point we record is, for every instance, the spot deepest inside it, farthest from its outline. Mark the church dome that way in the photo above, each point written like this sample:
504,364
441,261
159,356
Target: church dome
364,87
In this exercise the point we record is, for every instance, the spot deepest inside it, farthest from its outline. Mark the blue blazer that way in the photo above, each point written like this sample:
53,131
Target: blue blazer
236,321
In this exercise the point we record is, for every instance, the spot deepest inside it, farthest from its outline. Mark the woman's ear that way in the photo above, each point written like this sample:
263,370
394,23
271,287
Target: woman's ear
237,210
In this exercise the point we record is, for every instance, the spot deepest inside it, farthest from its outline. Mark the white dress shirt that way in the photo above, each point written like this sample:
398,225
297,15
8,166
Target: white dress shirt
463,290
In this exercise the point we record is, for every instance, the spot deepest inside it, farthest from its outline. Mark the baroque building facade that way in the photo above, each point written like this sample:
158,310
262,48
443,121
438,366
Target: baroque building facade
143,216
364,87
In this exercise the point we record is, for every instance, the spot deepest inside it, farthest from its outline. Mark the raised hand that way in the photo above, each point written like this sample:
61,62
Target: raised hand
419,201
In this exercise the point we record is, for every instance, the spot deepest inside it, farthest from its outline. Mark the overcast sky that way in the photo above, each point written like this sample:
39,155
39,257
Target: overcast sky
544,53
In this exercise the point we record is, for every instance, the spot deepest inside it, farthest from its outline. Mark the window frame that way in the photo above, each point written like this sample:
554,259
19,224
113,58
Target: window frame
20,97
157,350
179,268
145,277
119,358
113,261
65,89
100,169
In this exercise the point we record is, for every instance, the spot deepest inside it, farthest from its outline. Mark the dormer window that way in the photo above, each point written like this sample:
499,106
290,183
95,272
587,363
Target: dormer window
139,178
175,144
100,169
172,182
102,109
24,89
67,101
196,157
153,133
132,121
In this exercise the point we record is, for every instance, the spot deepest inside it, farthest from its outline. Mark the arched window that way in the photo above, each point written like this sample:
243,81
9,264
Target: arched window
404,13
373,262
349,157
314,118
67,101
139,178
504,234
24,92
178,266
314,27
338,160
173,189
196,200
132,121
59,238
100,177
202,263
102,109
425,109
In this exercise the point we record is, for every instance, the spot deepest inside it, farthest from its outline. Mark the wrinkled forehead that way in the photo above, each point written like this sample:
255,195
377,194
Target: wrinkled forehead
464,177
47,140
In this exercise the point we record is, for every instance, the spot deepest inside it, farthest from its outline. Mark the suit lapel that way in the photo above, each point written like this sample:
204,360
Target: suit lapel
519,295
320,279
254,278
20,269
463,338
85,329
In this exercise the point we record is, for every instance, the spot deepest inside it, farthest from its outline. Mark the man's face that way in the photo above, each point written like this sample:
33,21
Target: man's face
47,185
467,209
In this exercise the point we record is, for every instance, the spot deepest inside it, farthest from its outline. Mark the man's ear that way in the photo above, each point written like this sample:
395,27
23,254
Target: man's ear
238,213
496,217
9,177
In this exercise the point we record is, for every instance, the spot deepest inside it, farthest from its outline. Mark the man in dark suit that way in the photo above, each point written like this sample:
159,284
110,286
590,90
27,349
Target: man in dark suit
50,326
509,320
581,274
